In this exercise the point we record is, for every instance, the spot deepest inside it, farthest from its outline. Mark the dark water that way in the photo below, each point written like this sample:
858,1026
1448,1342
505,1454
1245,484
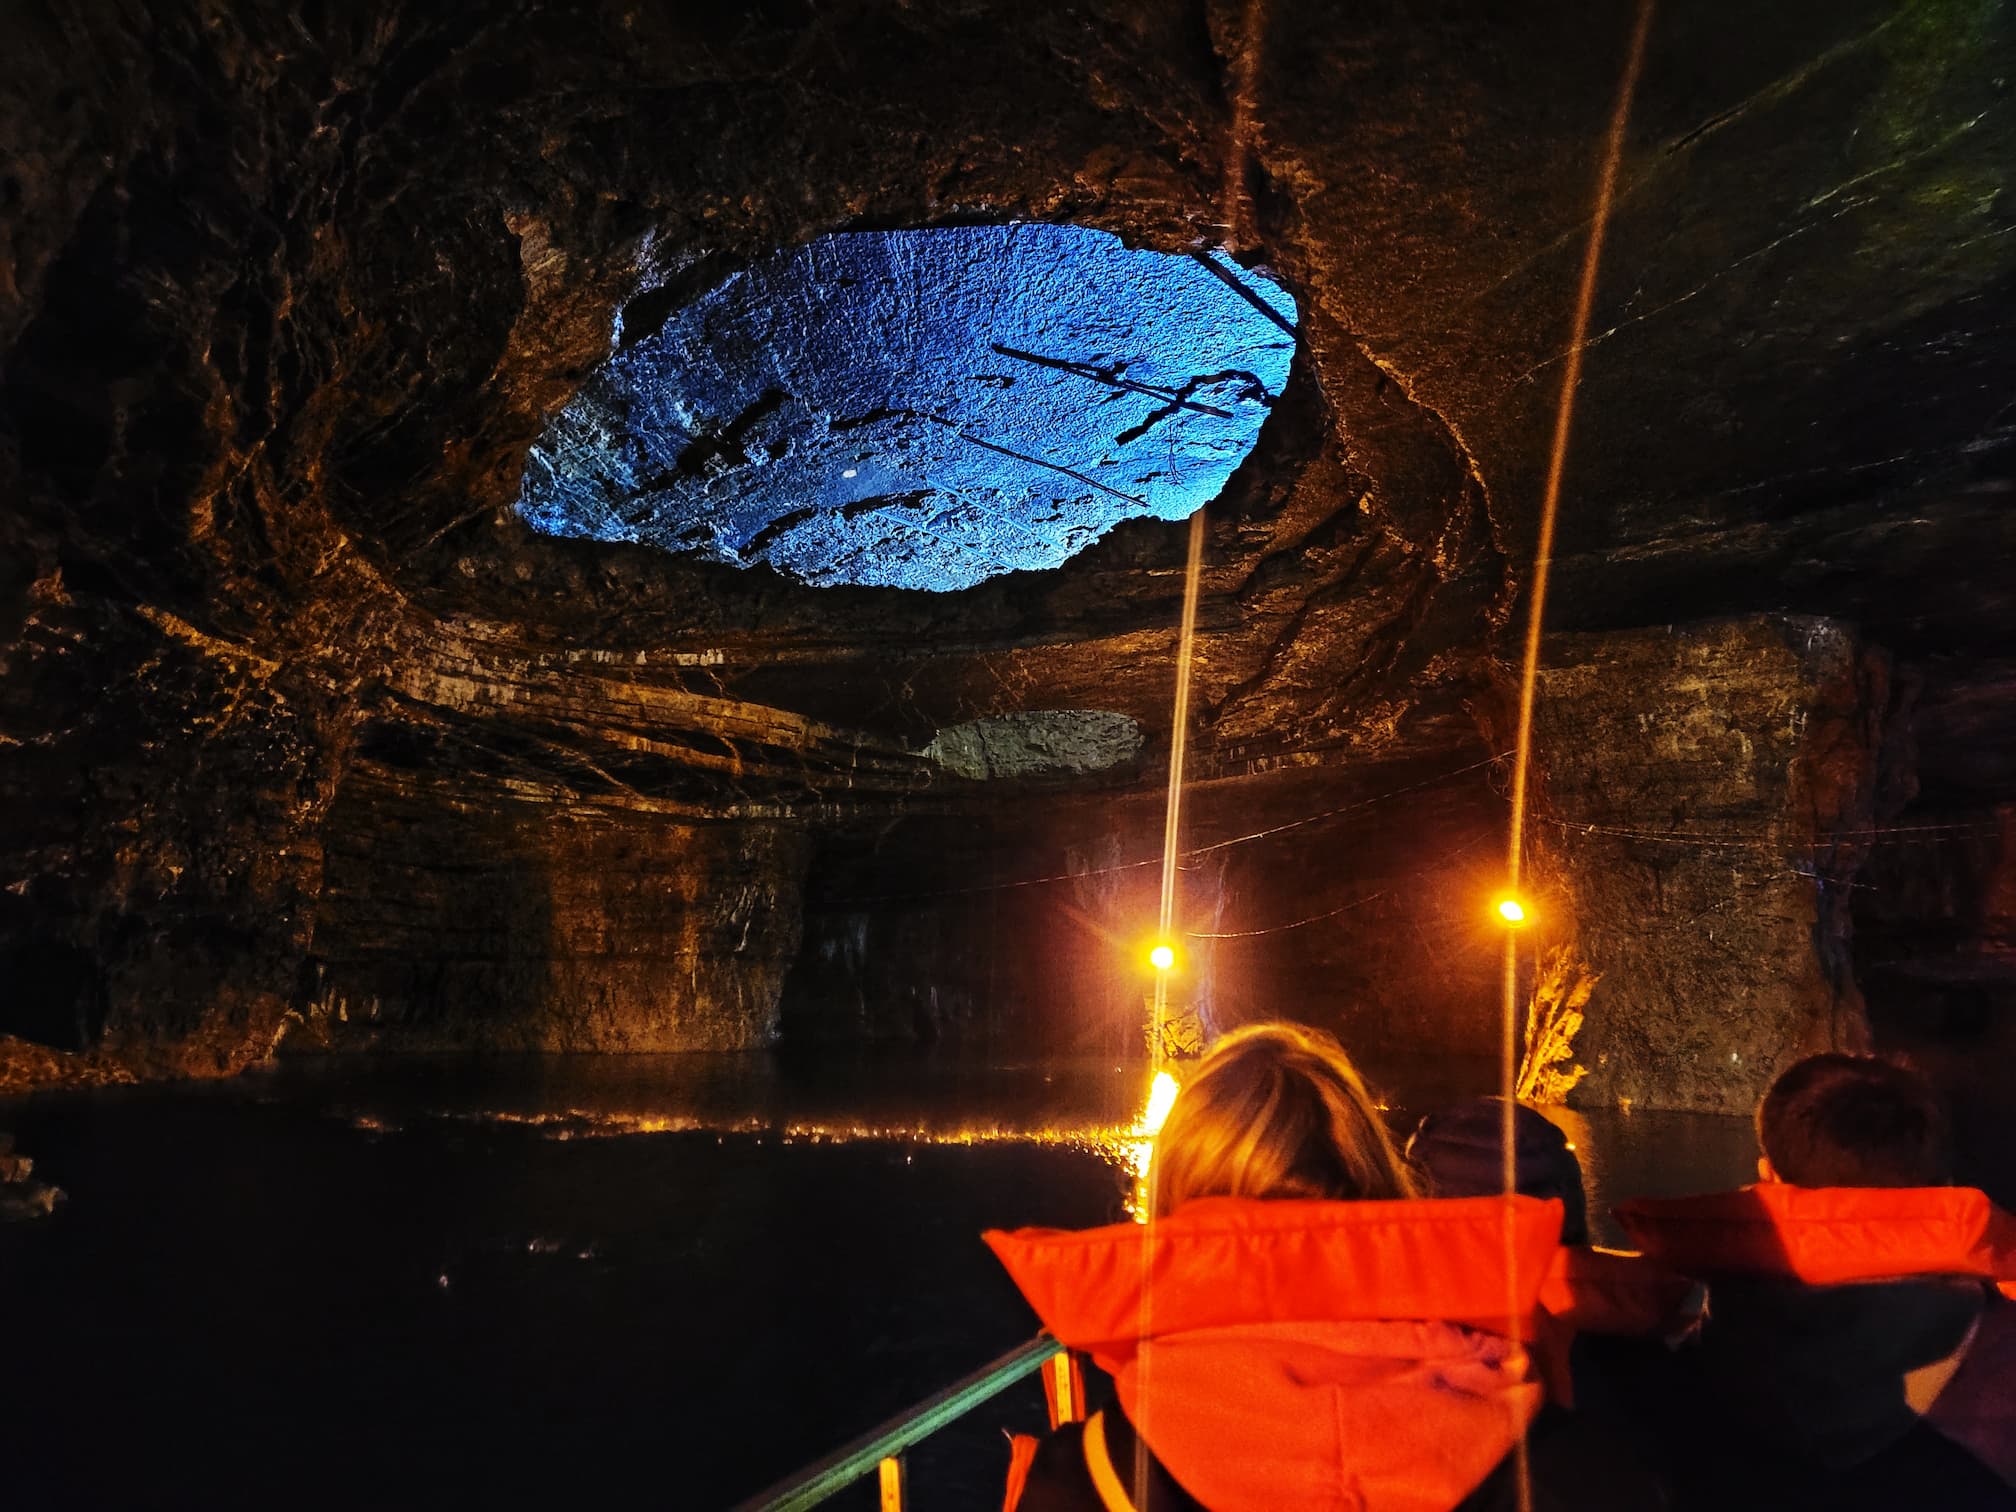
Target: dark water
537,1282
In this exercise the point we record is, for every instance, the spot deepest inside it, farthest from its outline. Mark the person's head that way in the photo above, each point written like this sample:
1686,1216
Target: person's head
1461,1153
1852,1121
1275,1110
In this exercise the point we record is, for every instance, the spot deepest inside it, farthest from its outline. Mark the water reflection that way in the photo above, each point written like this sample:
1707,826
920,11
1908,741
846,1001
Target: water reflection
594,1261
1095,1107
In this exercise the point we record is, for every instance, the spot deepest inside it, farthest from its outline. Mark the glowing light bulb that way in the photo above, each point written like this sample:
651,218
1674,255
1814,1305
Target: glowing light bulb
1511,911
1161,1094
1161,958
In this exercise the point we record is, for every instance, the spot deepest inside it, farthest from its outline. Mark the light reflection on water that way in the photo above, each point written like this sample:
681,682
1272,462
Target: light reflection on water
1093,1107
597,1261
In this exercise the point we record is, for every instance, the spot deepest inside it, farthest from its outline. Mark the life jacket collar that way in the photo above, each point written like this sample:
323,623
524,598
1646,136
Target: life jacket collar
1328,1355
1225,1261
1828,1236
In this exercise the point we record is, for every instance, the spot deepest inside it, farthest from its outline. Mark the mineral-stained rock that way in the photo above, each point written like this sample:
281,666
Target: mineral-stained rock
1037,740
20,1197
28,1200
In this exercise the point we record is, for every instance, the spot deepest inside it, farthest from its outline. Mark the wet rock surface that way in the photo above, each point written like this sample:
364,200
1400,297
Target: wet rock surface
286,298
20,1197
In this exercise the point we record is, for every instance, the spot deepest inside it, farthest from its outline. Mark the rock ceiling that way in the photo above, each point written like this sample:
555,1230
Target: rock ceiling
288,298
919,409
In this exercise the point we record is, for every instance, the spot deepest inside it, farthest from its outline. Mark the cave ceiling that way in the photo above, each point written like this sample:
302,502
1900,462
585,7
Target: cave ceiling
918,409
296,303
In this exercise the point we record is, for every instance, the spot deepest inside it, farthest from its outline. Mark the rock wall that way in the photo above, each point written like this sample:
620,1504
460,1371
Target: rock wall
1352,898
1374,922
163,791
457,919
1706,797
1017,936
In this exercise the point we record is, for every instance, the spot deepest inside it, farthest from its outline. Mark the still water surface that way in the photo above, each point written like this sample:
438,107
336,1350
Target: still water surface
653,1281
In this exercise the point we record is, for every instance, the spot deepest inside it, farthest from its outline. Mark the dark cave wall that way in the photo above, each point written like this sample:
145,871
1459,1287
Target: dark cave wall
1938,918
1000,934
1030,935
1936,960
454,919
164,793
1706,798
250,389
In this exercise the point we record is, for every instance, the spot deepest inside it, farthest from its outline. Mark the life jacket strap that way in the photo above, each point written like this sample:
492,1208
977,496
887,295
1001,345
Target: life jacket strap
1105,1480
1022,1449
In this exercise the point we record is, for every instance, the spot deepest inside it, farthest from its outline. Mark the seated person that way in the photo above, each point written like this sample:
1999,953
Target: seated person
1293,1328
1845,1293
1612,1318
1461,1153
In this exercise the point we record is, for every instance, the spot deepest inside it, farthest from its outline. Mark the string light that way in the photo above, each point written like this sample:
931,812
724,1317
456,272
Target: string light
1511,912
1162,958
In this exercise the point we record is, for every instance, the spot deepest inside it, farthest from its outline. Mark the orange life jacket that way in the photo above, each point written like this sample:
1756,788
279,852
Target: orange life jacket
1828,1236
1309,1354
1615,1292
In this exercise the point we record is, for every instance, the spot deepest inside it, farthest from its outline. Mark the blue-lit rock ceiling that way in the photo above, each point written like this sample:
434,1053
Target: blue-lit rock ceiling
921,409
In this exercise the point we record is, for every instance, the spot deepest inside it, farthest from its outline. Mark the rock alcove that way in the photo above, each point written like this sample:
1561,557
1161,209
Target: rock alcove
309,738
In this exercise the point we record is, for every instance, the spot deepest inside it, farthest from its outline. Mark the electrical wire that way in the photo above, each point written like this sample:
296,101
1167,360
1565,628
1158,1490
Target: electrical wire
1353,807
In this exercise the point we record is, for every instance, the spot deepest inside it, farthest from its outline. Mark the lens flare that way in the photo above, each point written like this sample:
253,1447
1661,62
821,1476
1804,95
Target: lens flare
1161,958
1511,911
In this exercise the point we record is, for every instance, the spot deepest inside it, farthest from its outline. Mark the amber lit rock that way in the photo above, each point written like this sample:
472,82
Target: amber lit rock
20,1197
1706,797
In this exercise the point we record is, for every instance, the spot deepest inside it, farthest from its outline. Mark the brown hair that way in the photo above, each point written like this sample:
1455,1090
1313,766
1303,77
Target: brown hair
1853,1121
1276,1110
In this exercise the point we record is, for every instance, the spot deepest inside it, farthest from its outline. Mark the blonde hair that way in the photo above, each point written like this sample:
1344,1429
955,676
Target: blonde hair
1276,1110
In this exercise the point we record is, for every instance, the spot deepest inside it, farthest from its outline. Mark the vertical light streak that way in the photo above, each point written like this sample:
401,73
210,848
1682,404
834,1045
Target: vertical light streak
1543,561
1166,924
1564,414
1179,734
1172,815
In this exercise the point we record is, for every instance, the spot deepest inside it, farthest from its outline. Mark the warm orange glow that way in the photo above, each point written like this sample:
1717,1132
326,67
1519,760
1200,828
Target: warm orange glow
1161,1094
1511,911
1162,958
1140,1146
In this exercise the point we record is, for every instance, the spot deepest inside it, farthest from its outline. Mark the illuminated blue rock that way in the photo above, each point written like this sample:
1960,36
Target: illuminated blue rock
920,409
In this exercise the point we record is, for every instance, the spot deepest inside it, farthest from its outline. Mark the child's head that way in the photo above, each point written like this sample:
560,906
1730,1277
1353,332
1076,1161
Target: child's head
1276,1110
1460,1152
1852,1121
